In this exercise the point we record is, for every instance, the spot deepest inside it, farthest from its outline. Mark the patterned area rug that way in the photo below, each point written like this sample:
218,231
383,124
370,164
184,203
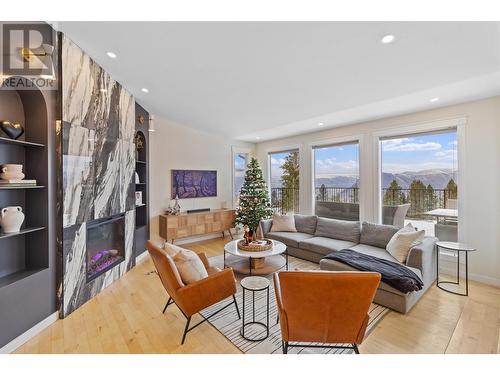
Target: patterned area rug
228,324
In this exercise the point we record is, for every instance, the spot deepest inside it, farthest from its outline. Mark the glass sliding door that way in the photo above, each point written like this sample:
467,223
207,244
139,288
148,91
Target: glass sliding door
419,182
240,162
284,181
336,181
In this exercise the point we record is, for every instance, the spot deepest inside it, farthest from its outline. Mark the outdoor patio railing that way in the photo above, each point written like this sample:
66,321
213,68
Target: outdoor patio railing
285,200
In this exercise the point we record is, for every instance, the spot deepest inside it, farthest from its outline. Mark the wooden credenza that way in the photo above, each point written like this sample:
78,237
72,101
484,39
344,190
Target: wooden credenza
173,227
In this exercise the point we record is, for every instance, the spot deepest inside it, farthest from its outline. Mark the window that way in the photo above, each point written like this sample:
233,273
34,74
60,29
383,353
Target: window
419,182
240,162
284,181
336,181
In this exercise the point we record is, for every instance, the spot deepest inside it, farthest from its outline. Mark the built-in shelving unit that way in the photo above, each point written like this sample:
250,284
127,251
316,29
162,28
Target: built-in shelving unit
27,271
142,169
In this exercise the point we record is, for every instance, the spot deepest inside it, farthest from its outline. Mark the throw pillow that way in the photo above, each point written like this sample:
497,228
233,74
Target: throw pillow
172,249
400,244
283,223
190,266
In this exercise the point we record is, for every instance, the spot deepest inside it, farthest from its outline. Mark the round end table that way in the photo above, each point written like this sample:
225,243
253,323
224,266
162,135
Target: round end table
255,284
458,248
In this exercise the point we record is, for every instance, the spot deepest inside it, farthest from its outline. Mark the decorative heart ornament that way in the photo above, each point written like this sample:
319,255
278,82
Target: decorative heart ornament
14,131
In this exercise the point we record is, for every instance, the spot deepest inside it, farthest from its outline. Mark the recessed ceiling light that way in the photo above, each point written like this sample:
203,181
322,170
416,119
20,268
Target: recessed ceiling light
144,90
257,137
111,54
320,124
434,100
386,39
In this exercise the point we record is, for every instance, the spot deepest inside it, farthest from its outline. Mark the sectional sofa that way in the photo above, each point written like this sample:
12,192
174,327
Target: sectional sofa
317,237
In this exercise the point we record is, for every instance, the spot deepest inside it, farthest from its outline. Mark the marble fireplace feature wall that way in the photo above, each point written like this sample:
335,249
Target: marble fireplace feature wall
75,287
98,165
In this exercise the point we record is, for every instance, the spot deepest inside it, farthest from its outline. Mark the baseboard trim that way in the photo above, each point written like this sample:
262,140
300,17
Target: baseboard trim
451,269
204,237
141,257
29,334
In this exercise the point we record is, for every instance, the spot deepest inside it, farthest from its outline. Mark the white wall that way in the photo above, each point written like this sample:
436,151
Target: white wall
173,146
480,206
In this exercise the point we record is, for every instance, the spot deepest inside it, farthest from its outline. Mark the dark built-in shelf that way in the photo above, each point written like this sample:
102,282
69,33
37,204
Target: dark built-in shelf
140,205
20,143
140,162
20,187
19,275
21,232
140,226
140,183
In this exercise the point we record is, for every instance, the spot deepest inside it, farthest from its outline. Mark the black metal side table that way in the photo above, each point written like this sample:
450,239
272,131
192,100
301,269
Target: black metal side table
255,284
459,248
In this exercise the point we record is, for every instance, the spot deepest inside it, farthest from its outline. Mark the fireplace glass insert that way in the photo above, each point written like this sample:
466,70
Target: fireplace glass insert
105,245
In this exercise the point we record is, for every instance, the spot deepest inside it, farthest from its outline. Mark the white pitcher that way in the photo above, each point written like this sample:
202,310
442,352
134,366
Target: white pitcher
11,219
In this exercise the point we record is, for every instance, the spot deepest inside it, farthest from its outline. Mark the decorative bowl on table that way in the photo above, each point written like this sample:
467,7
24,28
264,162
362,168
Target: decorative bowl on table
257,245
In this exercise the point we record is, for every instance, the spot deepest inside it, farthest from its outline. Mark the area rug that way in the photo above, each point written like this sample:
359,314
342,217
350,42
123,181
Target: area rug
229,325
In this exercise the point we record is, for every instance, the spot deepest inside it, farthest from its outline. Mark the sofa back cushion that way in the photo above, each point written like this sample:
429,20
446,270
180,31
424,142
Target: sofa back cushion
338,229
306,223
377,235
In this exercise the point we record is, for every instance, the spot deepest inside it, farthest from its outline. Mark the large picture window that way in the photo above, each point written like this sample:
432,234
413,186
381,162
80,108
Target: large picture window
284,181
336,181
419,182
240,162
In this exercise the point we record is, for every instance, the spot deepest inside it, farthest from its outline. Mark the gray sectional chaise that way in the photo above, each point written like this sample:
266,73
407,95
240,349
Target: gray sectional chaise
317,237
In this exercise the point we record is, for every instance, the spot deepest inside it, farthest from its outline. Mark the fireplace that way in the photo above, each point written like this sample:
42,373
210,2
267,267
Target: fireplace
105,245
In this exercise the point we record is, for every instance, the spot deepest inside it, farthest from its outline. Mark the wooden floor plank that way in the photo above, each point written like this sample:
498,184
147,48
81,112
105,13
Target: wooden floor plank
127,318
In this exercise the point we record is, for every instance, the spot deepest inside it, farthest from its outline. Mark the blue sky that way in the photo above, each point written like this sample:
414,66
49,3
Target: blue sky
417,153
405,154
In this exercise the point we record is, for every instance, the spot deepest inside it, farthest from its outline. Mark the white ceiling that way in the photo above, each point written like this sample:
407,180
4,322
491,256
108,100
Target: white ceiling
256,79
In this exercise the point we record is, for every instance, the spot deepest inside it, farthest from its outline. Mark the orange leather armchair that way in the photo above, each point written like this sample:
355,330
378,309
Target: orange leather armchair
325,307
193,298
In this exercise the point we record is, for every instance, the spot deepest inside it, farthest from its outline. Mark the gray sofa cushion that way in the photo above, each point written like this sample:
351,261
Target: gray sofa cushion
377,235
306,223
374,251
338,229
289,238
324,245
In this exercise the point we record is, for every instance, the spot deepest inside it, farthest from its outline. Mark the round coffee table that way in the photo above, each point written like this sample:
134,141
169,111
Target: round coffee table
257,262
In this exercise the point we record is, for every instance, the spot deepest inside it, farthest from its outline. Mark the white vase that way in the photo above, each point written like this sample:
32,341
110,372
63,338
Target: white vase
11,219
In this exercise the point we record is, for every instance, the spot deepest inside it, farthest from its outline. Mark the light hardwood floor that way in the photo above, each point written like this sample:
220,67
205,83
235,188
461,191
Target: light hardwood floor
126,318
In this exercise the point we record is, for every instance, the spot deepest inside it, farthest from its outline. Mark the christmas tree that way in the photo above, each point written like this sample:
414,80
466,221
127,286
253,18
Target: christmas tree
254,198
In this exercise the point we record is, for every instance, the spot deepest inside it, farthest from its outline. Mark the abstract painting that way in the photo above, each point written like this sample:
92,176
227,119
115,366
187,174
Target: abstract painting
193,184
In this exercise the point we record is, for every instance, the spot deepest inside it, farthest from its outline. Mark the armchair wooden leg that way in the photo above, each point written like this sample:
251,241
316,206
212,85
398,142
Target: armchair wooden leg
186,329
236,305
356,349
168,304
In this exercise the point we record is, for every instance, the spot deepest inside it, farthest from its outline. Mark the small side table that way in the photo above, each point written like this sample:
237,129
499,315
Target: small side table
255,284
459,248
